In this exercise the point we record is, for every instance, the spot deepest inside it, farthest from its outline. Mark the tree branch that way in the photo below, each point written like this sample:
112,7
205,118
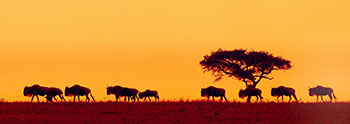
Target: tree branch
265,77
270,70
224,70
246,83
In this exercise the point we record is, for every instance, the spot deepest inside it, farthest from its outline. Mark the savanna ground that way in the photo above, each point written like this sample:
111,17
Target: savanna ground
197,112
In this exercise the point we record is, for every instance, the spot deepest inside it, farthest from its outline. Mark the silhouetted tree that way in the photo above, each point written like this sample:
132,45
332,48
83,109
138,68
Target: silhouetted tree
248,66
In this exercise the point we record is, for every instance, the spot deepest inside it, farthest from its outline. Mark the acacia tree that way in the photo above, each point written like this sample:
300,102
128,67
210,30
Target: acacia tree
248,66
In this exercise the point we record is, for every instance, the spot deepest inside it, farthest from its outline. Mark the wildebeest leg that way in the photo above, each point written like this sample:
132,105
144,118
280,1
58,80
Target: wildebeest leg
37,97
74,99
282,98
32,98
116,98
257,98
54,97
220,98
92,97
78,97
330,96
277,98
213,98
290,98
208,98
62,98
149,98
87,97
125,98
317,99
128,98
295,97
137,98
225,98
248,99
322,98
260,97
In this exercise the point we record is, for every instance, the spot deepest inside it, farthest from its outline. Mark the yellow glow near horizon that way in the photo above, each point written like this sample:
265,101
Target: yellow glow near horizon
157,44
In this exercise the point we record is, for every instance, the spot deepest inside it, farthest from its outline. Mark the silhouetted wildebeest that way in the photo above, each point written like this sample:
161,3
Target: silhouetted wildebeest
213,92
118,91
78,90
36,90
250,92
283,91
130,93
149,93
55,92
320,91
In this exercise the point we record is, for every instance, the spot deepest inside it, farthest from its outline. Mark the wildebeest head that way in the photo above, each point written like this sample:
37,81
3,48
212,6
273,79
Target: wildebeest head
274,92
67,92
110,90
49,98
312,91
141,95
204,92
114,90
27,91
241,94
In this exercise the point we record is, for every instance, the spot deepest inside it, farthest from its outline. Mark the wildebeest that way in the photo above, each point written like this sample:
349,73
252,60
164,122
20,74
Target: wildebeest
116,90
78,90
213,92
320,91
283,91
250,92
36,90
149,93
129,93
55,92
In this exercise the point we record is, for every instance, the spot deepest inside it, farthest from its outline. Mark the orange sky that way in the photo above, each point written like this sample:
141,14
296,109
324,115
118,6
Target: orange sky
158,44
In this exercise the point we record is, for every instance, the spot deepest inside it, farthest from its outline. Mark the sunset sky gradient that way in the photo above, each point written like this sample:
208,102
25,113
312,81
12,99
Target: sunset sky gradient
158,44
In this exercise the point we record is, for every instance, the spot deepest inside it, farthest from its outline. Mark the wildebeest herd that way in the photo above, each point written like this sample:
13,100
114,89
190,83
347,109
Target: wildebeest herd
280,91
76,90
132,94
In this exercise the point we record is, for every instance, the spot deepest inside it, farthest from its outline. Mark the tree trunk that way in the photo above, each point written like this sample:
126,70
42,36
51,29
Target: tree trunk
254,84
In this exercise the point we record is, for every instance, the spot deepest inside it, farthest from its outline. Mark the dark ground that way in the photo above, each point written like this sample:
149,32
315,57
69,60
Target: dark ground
175,112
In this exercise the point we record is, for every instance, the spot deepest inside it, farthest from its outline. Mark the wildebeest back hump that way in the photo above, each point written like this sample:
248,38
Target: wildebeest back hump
56,90
219,92
84,91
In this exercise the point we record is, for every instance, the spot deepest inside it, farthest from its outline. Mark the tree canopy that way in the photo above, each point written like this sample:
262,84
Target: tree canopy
248,66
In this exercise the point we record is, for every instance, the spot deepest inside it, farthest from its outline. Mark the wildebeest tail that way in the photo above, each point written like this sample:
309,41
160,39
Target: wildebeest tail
334,95
92,96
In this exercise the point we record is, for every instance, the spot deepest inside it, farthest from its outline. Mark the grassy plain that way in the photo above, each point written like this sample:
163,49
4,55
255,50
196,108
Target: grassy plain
175,112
